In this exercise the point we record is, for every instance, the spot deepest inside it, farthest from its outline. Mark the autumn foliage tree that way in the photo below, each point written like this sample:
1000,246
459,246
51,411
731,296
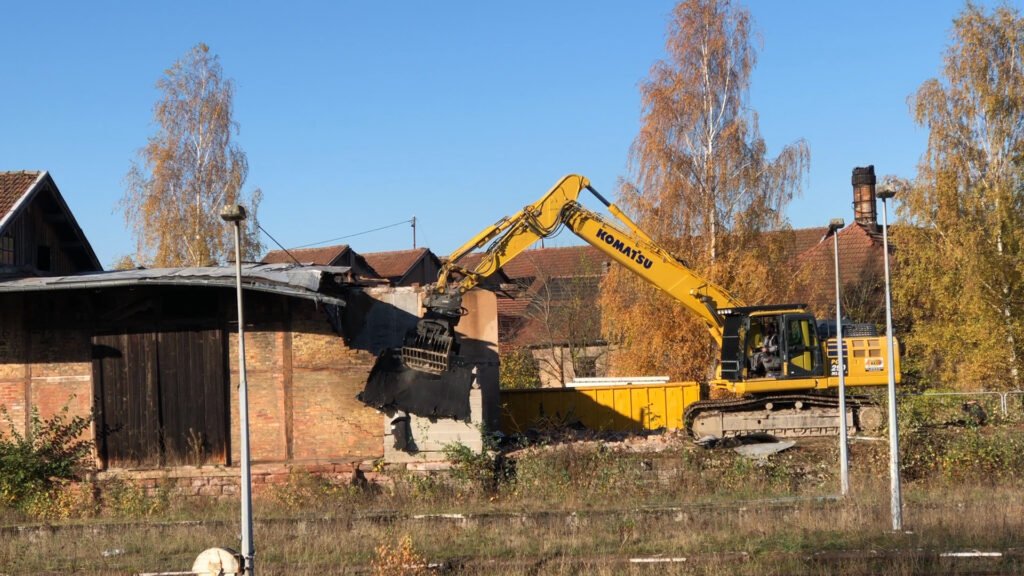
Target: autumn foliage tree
189,170
961,241
703,186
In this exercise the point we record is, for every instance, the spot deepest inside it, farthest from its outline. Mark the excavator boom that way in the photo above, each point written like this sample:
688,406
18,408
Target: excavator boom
623,241
802,365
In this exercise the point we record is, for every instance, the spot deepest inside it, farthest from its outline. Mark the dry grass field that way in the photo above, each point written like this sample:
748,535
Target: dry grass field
656,505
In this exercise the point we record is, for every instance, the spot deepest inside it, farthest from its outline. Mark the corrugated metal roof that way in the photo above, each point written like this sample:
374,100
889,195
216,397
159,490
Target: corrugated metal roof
320,283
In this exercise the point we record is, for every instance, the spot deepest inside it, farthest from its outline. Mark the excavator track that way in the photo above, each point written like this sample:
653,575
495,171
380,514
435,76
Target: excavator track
784,415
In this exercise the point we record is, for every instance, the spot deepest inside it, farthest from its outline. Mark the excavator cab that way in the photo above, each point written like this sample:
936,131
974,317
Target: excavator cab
795,353
802,350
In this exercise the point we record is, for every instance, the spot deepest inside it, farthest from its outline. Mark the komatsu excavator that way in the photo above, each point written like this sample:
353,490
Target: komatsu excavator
786,388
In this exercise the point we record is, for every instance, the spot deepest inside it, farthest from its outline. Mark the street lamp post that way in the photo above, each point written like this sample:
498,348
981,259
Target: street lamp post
834,227
235,214
896,504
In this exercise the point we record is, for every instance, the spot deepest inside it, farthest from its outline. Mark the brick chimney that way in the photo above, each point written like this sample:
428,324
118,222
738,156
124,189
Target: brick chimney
864,211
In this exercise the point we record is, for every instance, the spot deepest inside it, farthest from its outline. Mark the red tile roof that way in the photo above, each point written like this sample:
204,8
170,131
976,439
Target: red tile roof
860,252
550,262
394,264
20,190
859,248
322,256
801,240
14,185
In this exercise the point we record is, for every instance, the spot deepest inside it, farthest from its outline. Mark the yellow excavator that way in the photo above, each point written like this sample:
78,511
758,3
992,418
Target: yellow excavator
778,374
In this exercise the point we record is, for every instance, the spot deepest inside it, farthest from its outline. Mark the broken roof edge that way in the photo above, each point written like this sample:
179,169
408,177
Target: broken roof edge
287,279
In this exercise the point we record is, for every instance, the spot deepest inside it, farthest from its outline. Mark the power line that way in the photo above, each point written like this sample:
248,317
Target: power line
274,240
411,220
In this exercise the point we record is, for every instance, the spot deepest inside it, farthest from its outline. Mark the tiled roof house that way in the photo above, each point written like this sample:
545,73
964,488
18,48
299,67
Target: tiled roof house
544,273
38,233
405,267
338,255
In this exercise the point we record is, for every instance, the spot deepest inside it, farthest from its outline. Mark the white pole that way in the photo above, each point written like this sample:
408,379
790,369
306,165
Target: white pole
844,456
896,505
248,552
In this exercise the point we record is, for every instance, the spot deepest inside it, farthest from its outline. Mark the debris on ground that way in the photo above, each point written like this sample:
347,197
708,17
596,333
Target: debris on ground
763,450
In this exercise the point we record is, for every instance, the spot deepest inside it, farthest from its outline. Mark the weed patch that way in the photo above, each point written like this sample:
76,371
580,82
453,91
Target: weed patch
52,450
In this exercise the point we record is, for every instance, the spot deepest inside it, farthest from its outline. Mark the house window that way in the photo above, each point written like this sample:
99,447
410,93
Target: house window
7,250
43,258
585,366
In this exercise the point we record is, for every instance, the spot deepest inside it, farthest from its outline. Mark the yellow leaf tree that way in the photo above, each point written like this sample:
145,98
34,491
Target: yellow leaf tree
189,170
958,285
702,185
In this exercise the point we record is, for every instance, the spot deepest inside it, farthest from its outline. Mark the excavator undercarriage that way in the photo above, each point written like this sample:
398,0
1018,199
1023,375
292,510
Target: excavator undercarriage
783,415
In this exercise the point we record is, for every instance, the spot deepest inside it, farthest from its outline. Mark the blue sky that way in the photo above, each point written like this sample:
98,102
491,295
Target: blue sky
359,115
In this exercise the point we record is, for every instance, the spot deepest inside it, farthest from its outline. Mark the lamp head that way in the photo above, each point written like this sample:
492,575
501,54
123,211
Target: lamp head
835,225
233,213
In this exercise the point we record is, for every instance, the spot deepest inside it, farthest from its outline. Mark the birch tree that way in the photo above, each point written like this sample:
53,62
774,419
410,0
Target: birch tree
960,248
701,183
189,170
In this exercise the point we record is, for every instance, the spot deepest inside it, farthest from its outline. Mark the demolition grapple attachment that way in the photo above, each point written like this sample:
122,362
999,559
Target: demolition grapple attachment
432,344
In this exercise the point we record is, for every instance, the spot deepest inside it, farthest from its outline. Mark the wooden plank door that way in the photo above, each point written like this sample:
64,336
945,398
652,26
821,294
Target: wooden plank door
128,418
193,396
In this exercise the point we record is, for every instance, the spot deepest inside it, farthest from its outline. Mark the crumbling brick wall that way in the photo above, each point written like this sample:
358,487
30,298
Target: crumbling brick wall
303,380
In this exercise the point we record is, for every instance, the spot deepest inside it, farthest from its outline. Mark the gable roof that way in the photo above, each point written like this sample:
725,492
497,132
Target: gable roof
800,240
19,189
14,188
394,265
859,253
320,256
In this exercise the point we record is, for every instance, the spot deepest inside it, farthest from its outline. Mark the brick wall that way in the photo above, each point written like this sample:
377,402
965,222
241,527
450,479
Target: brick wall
303,378
303,381
220,482
41,366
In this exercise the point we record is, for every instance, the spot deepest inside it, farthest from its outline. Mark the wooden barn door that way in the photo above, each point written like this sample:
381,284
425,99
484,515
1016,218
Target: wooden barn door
162,398
128,415
193,396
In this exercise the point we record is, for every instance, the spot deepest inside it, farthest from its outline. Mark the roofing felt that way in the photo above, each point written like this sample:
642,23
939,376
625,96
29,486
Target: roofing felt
321,256
394,264
14,185
319,283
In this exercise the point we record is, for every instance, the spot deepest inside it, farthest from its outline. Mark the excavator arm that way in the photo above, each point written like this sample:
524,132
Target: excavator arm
623,241
425,376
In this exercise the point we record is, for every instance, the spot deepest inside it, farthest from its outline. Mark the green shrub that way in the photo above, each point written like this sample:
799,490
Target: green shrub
979,454
52,450
474,470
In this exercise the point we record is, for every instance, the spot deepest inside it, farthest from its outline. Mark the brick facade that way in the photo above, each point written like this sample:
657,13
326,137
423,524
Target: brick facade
303,379
40,367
